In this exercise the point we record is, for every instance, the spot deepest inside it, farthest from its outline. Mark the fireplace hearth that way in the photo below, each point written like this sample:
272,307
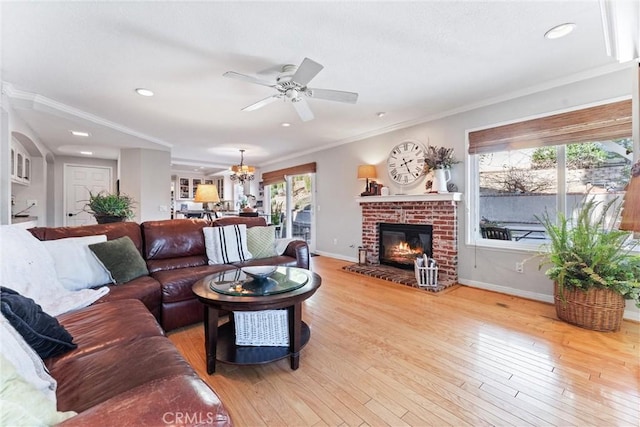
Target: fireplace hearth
437,210
400,244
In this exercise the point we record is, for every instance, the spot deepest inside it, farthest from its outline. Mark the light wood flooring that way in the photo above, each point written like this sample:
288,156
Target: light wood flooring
386,354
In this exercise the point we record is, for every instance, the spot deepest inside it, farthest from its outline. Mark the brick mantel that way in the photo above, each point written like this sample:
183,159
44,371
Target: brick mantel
438,210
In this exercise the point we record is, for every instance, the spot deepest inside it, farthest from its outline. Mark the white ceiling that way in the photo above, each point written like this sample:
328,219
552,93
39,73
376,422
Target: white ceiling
75,65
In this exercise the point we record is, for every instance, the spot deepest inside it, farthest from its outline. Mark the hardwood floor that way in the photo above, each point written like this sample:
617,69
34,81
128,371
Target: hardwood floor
387,354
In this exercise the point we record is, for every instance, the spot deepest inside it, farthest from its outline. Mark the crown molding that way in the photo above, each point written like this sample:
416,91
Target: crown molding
36,102
575,78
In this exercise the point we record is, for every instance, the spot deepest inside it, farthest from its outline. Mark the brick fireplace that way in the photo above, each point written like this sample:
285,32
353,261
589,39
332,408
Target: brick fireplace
437,210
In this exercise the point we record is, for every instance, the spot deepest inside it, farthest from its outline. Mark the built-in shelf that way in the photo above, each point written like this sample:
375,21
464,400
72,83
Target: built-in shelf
428,197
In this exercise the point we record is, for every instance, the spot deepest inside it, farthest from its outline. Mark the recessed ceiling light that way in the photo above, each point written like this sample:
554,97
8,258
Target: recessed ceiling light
381,114
79,133
285,125
87,153
144,92
560,31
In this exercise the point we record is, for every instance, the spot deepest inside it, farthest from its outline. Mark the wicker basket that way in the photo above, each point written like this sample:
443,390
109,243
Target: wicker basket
262,328
595,309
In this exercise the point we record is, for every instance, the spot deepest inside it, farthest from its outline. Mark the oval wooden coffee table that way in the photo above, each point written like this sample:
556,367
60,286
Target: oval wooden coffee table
234,291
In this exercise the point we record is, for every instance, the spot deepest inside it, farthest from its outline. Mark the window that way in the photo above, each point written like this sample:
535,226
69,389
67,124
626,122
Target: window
522,170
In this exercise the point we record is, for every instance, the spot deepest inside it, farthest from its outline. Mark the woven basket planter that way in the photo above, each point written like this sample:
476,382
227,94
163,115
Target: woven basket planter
595,309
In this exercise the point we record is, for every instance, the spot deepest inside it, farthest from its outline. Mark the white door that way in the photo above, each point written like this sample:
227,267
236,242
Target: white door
79,180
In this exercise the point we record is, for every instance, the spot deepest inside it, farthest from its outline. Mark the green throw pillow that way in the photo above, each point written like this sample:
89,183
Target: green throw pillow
261,242
121,258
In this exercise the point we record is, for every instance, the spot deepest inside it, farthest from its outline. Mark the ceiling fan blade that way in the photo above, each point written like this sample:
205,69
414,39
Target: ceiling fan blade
306,71
250,79
333,95
262,103
303,110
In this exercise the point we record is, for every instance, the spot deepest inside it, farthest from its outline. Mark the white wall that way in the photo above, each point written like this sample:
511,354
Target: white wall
145,175
339,215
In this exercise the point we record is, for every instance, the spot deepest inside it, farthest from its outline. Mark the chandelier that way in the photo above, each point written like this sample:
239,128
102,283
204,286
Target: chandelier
242,172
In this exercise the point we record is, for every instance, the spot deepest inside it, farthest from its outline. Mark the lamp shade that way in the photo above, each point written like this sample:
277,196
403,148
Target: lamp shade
367,172
206,193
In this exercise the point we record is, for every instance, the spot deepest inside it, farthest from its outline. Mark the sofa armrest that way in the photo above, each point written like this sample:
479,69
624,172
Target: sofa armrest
299,250
179,400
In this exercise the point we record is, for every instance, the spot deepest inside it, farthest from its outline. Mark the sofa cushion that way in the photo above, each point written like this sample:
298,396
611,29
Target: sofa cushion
103,325
144,288
22,403
113,231
177,284
261,242
167,401
93,378
76,266
121,258
226,244
28,268
256,221
42,332
176,238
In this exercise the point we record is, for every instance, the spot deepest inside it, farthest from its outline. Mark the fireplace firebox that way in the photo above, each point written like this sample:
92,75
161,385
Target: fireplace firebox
400,244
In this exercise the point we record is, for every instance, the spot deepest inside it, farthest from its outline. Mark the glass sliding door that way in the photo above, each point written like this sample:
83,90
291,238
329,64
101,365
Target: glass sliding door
292,207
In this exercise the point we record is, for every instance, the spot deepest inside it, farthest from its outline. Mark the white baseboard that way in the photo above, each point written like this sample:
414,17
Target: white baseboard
628,314
337,256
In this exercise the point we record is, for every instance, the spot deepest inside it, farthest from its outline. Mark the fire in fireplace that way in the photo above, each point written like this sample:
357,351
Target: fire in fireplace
401,244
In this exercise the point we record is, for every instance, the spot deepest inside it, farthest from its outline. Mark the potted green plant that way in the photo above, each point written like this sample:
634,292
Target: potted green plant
592,266
110,207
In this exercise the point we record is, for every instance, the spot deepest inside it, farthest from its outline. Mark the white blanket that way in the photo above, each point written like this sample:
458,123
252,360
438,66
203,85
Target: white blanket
28,268
281,245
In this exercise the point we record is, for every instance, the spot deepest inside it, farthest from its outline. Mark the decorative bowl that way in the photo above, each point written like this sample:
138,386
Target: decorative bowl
259,272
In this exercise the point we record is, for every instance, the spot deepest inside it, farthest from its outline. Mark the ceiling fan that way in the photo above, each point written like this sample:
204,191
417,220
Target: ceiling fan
291,84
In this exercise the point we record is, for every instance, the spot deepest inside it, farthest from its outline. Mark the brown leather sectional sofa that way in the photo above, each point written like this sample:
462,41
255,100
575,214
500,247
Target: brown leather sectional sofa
125,371
176,258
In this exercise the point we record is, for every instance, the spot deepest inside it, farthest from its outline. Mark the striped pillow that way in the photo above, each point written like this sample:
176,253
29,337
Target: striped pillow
226,244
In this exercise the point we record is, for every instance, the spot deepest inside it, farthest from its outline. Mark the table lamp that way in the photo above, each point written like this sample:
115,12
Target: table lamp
207,193
367,172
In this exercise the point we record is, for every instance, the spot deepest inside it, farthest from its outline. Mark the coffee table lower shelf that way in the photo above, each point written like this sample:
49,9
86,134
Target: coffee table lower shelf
228,352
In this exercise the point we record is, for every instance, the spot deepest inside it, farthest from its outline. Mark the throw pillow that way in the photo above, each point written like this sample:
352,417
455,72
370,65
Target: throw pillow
261,241
226,244
121,258
76,267
30,270
26,360
42,332
22,403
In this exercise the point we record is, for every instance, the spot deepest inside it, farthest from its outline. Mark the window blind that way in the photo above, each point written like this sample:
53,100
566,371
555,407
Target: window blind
599,123
274,177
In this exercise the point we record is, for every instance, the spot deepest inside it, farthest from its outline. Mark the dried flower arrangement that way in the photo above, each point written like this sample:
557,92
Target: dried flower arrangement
439,157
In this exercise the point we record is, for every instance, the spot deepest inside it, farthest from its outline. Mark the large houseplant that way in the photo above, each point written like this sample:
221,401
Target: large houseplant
110,207
592,266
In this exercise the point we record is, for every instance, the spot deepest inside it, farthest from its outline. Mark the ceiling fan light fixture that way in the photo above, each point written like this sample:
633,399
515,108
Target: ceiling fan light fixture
242,172
560,31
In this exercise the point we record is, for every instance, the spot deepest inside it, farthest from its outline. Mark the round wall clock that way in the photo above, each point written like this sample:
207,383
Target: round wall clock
406,162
